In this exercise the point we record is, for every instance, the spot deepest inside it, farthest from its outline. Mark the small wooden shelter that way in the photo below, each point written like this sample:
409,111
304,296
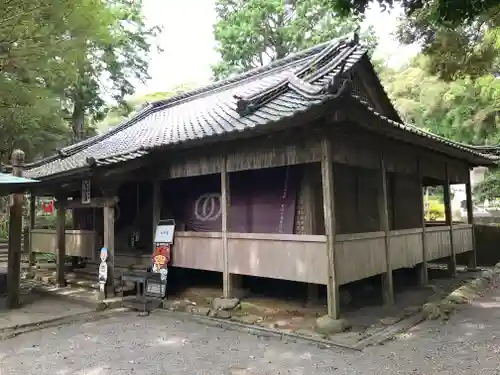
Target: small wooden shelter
301,170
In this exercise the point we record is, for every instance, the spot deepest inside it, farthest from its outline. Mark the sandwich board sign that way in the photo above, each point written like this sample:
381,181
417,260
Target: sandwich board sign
164,238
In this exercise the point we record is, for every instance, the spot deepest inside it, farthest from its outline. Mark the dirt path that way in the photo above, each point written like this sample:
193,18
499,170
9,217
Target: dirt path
125,344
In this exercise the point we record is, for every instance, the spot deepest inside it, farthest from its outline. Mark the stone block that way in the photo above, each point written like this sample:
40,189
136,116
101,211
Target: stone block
328,326
247,319
389,320
431,311
221,314
309,333
225,303
203,311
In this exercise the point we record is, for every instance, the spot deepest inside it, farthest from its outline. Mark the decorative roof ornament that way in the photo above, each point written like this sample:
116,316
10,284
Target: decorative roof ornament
355,35
308,80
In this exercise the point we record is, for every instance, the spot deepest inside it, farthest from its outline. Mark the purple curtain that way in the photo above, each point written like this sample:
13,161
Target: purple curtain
261,201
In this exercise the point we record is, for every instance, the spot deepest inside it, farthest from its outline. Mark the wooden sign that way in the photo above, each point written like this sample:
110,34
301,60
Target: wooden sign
86,192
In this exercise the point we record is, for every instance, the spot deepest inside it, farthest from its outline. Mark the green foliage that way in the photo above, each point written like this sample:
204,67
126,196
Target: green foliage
251,33
440,12
461,37
56,59
456,50
489,188
464,110
116,53
30,118
118,113
4,227
435,210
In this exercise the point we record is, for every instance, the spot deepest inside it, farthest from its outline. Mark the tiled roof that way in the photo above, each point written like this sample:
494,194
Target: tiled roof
254,99
484,152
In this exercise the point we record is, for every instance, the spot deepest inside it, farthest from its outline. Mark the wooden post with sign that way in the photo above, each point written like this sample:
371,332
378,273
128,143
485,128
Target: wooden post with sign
109,243
163,240
15,235
31,254
61,240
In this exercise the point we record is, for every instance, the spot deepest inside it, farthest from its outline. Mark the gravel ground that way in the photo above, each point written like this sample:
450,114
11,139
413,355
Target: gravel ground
468,344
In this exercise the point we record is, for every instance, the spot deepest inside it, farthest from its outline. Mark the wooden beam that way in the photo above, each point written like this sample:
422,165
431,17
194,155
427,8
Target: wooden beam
367,82
61,243
470,219
224,201
156,209
109,243
424,274
94,202
15,236
387,282
452,261
375,90
327,180
122,168
31,256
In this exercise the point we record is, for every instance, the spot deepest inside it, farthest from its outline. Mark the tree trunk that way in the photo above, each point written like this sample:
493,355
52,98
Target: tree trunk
77,121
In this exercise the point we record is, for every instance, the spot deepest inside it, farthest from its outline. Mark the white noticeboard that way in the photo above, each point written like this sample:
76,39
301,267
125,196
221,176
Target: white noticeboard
164,233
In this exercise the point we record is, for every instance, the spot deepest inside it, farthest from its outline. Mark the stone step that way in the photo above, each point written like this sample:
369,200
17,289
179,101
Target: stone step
118,268
77,282
120,264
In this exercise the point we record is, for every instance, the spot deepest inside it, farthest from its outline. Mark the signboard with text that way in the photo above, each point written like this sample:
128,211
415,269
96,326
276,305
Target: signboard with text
165,231
86,192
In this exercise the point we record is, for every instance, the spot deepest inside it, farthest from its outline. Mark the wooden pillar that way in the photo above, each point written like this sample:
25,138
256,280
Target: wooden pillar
31,254
327,180
15,236
470,219
423,274
61,239
452,262
156,210
309,176
224,201
387,283
109,243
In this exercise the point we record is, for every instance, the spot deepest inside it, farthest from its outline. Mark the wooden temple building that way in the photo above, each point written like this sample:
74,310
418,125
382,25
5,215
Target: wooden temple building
301,170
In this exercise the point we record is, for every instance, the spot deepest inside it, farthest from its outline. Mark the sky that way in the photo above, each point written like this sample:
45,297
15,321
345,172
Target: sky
189,47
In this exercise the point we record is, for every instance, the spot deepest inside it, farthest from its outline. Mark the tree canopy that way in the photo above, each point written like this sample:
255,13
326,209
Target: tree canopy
470,49
440,12
464,109
462,38
118,113
251,33
59,62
